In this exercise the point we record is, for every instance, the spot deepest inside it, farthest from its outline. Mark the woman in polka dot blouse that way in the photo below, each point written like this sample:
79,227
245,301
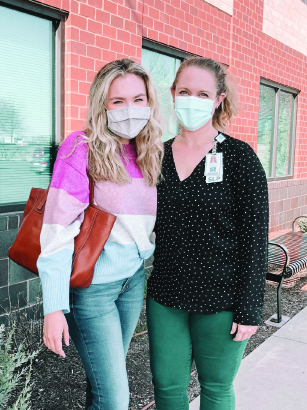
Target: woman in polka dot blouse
205,294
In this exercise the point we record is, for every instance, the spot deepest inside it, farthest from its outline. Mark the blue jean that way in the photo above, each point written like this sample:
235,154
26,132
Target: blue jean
101,323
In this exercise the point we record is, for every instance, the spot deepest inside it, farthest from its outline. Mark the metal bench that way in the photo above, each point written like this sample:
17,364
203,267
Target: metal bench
287,256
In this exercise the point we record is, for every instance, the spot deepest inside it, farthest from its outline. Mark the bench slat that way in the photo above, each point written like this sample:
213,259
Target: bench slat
296,267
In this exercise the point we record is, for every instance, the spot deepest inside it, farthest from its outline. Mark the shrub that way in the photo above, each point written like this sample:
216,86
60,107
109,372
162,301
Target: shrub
20,342
15,370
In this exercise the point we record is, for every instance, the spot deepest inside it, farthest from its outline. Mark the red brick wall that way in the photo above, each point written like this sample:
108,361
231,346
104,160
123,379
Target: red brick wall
288,200
98,31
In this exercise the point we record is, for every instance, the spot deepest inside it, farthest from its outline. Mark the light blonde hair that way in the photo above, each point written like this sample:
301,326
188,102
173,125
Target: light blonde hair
104,147
224,113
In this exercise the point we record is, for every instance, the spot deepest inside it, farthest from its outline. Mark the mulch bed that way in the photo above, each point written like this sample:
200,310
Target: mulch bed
60,383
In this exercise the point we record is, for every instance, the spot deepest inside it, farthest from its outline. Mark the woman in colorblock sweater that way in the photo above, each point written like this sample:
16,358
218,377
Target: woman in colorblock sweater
122,152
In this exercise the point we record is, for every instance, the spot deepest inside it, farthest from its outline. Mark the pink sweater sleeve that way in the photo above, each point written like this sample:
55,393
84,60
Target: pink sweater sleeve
67,199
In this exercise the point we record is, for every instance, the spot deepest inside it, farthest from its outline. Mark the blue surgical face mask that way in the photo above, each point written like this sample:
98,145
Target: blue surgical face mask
193,112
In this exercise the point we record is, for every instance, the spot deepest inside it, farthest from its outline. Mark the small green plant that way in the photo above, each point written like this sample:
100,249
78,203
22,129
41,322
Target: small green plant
147,274
28,324
141,328
20,342
15,371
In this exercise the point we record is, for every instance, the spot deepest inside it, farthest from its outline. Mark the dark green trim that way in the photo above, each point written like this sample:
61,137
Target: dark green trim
293,134
294,92
168,50
290,159
287,177
56,16
37,9
274,137
12,208
279,86
163,49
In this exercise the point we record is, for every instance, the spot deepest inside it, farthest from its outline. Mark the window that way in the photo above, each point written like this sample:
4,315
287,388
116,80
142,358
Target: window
27,101
162,63
276,129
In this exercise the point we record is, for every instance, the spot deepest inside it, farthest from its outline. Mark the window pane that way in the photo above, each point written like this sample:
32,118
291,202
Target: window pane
266,127
162,69
26,104
284,129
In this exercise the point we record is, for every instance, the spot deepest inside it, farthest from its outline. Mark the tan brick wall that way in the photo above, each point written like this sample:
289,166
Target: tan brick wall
225,5
288,200
286,21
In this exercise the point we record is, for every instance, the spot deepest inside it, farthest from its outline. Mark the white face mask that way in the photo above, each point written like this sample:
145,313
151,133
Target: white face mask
193,112
128,122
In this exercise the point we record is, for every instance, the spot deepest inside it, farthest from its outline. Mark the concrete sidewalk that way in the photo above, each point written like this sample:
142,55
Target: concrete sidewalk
274,375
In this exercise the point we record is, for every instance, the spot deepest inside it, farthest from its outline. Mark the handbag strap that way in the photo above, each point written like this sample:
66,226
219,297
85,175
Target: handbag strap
92,183
41,204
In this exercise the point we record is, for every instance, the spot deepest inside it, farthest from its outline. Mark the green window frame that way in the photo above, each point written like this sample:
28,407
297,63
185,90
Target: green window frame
20,149
276,129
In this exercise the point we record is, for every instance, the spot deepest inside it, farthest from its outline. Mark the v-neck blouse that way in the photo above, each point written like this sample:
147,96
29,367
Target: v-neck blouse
173,159
211,239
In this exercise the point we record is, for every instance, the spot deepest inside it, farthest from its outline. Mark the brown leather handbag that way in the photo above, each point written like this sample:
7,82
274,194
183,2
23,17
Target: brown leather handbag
89,243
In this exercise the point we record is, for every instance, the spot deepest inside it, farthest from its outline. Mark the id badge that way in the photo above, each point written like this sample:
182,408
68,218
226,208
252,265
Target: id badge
214,167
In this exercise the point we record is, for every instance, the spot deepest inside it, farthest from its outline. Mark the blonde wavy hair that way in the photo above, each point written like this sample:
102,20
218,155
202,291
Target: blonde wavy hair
224,113
105,147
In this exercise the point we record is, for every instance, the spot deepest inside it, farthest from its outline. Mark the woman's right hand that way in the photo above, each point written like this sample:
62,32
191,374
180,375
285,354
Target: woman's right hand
55,327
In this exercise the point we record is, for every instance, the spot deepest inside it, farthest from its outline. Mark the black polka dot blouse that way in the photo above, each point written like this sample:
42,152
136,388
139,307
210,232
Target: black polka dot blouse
212,238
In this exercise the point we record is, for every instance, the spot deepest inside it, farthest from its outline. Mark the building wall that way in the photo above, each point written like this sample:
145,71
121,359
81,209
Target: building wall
286,21
288,200
19,288
225,5
98,31
244,34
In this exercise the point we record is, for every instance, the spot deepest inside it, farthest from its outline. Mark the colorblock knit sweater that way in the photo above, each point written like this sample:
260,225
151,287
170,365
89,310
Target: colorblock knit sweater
130,241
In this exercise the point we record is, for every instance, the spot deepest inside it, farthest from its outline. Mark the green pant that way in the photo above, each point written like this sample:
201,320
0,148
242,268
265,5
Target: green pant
176,337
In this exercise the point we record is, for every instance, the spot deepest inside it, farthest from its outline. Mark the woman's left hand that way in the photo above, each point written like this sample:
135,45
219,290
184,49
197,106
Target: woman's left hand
243,332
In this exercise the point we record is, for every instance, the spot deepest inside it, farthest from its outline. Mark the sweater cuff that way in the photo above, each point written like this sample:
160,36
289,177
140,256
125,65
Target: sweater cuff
55,295
248,316
54,271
